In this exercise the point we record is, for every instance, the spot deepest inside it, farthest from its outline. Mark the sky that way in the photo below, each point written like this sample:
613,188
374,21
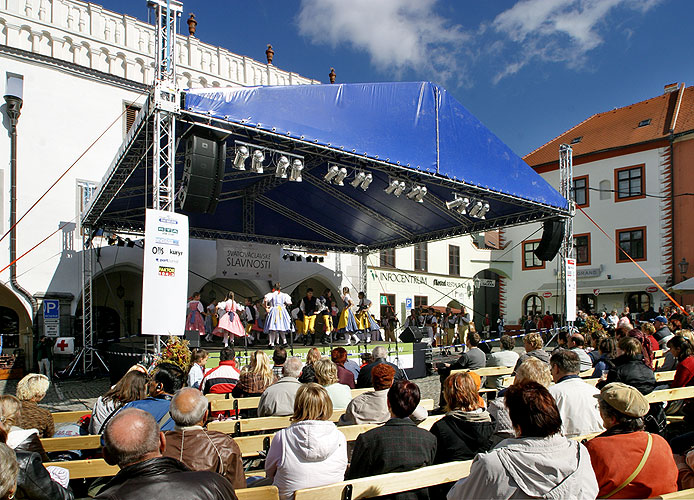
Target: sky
528,69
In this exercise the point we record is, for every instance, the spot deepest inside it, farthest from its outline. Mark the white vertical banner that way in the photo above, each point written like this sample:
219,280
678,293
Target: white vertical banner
570,289
165,273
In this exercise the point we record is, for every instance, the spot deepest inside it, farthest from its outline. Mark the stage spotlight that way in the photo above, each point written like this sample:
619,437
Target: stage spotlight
400,189
121,242
292,258
320,259
340,177
483,212
257,162
475,209
112,239
282,166
358,179
240,158
417,194
394,184
459,204
295,174
285,256
298,258
367,182
332,172
130,243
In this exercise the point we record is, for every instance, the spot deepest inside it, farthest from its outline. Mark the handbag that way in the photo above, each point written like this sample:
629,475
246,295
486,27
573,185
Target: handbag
636,472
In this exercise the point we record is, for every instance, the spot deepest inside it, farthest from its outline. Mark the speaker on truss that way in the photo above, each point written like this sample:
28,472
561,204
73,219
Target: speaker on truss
193,338
203,171
411,334
552,236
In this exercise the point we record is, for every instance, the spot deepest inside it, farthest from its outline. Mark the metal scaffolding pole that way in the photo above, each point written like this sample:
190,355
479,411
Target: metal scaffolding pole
566,176
87,319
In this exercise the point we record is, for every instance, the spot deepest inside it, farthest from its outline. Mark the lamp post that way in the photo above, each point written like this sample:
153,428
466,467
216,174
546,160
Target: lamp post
684,266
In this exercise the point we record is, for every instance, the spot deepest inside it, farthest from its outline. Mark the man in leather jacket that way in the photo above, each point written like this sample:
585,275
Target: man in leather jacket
134,443
199,448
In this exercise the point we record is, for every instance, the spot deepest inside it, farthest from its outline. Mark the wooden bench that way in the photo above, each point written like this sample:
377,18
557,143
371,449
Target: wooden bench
69,417
657,363
388,484
670,394
259,493
487,371
224,402
678,494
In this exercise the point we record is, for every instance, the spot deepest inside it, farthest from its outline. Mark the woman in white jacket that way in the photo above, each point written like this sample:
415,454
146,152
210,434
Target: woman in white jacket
539,463
311,451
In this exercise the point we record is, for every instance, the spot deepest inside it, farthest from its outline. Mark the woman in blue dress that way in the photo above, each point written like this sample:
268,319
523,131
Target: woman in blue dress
365,321
348,322
278,320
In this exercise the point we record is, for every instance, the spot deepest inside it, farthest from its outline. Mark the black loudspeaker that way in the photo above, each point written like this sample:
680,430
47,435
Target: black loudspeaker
552,236
193,338
202,174
411,334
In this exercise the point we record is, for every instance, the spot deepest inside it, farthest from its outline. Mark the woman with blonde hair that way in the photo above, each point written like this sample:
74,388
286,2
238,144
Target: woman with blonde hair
18,438
532,369
255,377
467,427
326,375
308,373
311,451
30,390
348,321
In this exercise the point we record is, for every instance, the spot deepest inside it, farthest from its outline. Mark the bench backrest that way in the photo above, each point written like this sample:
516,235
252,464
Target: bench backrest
489,370
678,494
224,402
69,417
670,394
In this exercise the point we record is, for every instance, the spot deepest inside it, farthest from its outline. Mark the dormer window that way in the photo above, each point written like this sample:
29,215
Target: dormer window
645,122
576,140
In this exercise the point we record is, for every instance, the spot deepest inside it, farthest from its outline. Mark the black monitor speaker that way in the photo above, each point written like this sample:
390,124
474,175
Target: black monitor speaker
411,334
552,236
203,171
193,338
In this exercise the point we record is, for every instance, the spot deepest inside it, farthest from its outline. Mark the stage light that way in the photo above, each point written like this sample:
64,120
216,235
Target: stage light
240,158
285,256
257,162
417,194
485,209
363,180
332,172
282,166
298,258
475,209
130,243
340,177
295,174
121,242
292,258
394,183
400,189
112,239
320,259
459,204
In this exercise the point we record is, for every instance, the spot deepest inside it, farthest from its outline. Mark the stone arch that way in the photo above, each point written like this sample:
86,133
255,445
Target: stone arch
316,281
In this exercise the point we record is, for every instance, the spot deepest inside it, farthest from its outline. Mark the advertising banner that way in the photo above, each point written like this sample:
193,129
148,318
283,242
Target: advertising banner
570,289
165,273
247,261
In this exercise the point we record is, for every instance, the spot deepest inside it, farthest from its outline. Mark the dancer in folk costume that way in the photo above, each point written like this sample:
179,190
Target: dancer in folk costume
229,321
194,318
366,322
210,319
278,320
348,322
324,310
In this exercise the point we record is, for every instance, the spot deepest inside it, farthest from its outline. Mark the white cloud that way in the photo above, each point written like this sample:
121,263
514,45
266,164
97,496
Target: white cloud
561,31
398,35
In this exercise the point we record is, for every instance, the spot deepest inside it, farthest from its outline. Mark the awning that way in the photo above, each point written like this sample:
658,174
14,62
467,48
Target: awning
414,132
683,287
609,286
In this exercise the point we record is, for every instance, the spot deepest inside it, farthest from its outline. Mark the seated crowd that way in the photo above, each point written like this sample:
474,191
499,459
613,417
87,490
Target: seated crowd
550,434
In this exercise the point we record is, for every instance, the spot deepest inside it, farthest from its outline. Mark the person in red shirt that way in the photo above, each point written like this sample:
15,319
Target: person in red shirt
547,321
622,409
683,351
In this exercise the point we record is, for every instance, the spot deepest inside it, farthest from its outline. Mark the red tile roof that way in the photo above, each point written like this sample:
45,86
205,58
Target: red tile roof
619,127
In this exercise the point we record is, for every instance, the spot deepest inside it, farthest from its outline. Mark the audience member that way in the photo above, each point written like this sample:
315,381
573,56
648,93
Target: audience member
353,367
607,348
539,463
532,343
198,359
278,399
166,380
645,467
19,439
577,345
372,407
344,376
531,370
649,330
662,333
307,373
279,356
398,445
505,357
380,354
683,352
326,375
8,473
134,443
255,377
198,448
645,346
131,387
467,427
629,368
575,399
33,480
223,378
311,451
30,390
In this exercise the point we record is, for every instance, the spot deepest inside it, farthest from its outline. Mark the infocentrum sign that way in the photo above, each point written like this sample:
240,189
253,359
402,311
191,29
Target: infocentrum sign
395,277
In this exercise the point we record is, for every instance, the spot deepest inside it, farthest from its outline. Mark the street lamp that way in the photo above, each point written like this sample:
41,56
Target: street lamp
684,266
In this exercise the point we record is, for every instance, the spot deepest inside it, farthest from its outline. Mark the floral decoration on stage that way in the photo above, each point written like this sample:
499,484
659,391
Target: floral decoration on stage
176,352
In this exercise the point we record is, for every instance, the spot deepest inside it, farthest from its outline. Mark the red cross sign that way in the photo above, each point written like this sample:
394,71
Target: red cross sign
62,345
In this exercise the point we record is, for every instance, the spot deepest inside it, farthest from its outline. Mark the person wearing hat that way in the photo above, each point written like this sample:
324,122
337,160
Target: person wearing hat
628,462
662,332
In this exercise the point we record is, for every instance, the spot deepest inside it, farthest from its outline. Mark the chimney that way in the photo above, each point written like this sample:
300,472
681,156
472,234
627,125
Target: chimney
671,87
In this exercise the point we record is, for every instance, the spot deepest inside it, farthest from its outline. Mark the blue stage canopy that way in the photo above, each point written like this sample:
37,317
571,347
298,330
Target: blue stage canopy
415,132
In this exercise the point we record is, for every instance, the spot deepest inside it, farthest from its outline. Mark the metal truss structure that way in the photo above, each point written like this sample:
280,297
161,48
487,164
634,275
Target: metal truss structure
566,176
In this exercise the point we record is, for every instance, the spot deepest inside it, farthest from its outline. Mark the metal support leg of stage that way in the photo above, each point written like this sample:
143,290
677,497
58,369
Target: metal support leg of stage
87,318
566,190
363,264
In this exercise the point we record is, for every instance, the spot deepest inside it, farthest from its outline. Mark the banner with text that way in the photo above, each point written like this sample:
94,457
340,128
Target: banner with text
247,261
570,289
165,273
